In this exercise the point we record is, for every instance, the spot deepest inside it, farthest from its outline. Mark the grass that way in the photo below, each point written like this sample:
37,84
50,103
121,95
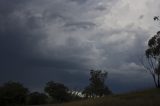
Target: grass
149,97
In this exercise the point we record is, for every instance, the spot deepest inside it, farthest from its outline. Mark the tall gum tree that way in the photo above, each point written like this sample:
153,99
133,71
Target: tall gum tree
153,56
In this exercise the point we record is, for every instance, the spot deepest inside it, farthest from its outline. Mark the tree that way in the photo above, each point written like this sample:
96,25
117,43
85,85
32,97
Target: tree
97,85
152,53
153,56
12,93
57,91
37,98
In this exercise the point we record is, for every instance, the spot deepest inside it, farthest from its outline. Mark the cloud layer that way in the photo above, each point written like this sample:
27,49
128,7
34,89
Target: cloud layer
63,39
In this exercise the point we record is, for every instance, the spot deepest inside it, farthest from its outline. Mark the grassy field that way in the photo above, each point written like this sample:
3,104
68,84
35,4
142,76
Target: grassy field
144,98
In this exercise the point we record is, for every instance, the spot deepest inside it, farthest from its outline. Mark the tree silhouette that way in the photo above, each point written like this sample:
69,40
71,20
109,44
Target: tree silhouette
151,62
12,93
97,85
36,98
57,91
153,56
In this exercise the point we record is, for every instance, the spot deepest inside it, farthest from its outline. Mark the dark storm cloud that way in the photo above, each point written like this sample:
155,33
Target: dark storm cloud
79,1
55,16
119,83
79,25
8,6
20,38
101,8
124,51
53,63
21,34
42,40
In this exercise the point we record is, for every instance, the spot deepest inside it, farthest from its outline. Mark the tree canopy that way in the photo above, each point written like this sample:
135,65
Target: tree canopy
97,85
12,93
57,91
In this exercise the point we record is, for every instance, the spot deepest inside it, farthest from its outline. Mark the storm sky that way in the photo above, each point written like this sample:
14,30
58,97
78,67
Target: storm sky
61,40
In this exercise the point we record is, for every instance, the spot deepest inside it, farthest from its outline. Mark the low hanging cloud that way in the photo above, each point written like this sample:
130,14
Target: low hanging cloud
63,39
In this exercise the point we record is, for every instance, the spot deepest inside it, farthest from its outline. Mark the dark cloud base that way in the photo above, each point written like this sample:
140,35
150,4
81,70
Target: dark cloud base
23,32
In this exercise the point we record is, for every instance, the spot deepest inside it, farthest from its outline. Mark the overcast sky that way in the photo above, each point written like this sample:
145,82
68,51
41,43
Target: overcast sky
61,40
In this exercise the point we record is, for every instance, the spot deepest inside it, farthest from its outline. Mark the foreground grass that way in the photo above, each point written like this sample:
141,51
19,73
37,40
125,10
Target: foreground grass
144,98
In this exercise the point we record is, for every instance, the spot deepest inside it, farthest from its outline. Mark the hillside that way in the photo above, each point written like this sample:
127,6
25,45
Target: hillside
144,98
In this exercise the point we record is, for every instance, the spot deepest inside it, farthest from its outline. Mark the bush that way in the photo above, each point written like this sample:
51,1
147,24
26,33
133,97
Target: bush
12,93
37,98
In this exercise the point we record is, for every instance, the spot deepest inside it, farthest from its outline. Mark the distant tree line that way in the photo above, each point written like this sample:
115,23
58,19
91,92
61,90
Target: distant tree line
14,93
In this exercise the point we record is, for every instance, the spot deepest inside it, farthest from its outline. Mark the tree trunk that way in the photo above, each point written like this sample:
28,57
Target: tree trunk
154,79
